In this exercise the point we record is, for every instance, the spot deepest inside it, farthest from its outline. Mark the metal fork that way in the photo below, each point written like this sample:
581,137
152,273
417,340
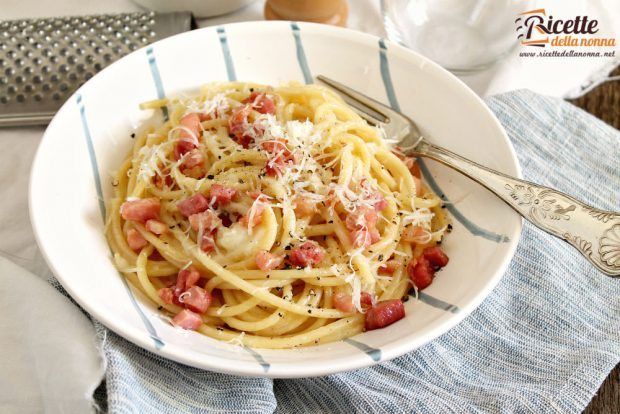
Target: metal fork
595,233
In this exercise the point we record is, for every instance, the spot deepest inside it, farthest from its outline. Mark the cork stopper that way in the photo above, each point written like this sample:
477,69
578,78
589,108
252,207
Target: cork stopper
332,12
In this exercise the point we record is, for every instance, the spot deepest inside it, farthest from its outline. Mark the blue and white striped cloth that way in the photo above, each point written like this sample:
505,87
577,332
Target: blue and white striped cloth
543,341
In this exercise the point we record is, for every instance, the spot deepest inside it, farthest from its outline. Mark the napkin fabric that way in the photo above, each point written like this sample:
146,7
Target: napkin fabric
543,341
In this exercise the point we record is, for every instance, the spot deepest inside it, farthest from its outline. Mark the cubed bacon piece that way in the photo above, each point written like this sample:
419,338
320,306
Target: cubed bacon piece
192,205
275,167
364,237
135,240
268,261
366,300
192,127
196,172
196,299
187,319
389,267
307,254
207,243
188,135
186,279
261,103
343,302
276,146
182,147
193,158
413,166
384,313
416,234
238,126
304,207
362,218
160,181
421,273
166,295
208,220
156,226
257,217
141,210
380,203
222,195
436,256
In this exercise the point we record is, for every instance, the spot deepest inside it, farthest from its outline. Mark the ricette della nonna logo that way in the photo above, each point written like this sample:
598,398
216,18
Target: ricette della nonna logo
572,37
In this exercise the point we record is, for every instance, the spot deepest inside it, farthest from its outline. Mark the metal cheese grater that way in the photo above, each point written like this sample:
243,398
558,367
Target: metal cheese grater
43,61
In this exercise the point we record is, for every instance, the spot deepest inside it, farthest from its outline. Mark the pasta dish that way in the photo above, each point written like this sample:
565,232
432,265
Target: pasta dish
272,217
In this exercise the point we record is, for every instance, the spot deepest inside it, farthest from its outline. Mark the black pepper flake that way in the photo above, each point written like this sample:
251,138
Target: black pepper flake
133,134
380,257
219,328
330,222
310,311
160,307
241,181
268,276
449,228
280,314
288,247
219,157
210,176
251,89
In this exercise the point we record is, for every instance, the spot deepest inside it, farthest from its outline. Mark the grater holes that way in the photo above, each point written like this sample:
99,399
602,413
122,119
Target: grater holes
19,79
20,98
11,89
9,71
38,97
4,99
28,88
46,87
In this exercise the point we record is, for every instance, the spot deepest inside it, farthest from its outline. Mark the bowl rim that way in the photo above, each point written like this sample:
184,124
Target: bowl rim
181,354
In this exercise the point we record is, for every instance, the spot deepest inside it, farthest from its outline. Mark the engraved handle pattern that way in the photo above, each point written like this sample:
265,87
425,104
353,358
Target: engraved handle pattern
595,233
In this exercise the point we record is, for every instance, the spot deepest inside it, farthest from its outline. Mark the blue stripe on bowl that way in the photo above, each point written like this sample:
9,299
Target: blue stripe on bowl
301,55
95,168
373,353
230,67
259,358
437,303
159,86
391,94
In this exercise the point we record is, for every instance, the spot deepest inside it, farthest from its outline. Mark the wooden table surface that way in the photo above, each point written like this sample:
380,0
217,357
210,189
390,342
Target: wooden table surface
604,103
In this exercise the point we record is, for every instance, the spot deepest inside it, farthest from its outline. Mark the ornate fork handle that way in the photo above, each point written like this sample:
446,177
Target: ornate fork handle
595,233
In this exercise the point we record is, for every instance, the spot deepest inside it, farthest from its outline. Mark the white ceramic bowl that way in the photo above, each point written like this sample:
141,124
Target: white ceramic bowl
90,135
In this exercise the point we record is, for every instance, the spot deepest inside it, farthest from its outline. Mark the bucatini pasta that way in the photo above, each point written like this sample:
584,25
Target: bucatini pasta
272,217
